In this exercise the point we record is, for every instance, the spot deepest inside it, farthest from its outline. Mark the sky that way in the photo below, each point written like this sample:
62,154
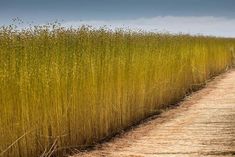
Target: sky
207,17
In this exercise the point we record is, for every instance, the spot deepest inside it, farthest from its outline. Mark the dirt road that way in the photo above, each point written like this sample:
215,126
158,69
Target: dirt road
202,125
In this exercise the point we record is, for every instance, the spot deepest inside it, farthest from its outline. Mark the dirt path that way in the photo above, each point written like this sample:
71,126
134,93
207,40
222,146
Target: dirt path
203,125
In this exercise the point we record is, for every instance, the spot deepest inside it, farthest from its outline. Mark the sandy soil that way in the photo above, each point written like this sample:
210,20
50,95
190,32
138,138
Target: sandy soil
202,125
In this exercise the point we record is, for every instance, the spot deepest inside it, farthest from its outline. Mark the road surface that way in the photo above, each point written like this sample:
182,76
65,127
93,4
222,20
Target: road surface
202,125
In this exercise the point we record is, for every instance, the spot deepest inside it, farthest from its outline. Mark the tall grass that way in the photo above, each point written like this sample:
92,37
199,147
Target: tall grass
67,88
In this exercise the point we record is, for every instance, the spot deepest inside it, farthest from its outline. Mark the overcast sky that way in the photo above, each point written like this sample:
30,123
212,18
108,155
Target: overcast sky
209,17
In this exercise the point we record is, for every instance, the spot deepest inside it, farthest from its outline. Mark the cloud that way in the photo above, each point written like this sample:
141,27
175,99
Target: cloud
205,25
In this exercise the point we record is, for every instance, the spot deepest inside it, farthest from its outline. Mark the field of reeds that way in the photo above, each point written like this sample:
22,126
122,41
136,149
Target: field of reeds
65,89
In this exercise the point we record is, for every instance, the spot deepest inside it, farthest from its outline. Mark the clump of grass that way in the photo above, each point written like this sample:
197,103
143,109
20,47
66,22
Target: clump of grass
68,88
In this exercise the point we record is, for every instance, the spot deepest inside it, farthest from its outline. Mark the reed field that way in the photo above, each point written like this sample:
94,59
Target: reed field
65,89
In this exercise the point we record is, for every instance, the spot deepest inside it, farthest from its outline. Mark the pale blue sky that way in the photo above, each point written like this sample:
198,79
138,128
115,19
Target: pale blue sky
111,12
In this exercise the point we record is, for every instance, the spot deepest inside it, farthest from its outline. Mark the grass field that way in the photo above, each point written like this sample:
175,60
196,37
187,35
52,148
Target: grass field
62,89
